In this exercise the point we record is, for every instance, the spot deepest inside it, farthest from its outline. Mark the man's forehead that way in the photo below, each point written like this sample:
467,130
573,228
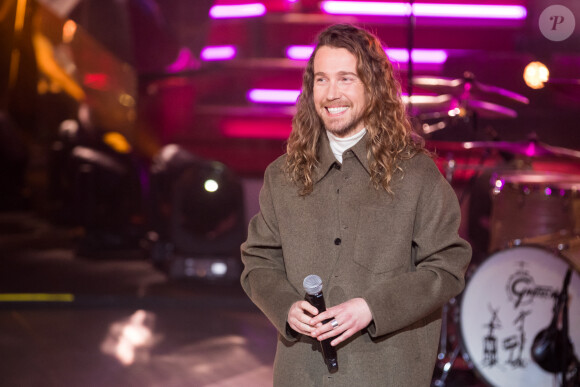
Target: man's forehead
335,58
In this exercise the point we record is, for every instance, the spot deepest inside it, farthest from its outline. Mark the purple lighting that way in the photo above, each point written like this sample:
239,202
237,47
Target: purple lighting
365,8
299,52
479,11
273,95
237,11
210,53
290,96
418,55
470,11
395,54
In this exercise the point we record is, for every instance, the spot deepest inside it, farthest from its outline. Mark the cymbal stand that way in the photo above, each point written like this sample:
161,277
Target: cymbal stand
440,382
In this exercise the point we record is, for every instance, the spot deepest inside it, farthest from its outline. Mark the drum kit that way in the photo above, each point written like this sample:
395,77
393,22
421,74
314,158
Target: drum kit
517,323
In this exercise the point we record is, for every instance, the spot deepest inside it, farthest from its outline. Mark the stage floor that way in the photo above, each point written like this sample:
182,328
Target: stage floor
117,321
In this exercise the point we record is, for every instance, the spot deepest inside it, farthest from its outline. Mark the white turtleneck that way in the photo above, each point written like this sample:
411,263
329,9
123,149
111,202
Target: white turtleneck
340,144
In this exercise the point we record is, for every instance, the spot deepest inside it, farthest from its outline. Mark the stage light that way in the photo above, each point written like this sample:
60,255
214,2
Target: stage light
479,11
365,8
211,53
211,185
117,142
69,30
417,55
401,55
237,11
273,95
279,96
536,74
197,216
299,52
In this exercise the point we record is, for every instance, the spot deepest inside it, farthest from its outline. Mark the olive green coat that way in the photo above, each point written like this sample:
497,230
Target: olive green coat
400,252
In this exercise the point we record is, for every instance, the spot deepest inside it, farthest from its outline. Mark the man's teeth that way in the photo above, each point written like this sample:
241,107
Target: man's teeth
336,110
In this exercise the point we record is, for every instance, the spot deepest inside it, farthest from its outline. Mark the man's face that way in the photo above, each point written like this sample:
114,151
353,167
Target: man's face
339,96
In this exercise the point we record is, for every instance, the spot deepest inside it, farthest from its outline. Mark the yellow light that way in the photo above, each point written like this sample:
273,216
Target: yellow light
536,74
117,141
68,31
36,297
126,100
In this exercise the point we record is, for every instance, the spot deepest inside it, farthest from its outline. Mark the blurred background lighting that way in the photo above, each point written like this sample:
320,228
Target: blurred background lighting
401,55
211,185
425,10
68,31
210,53
365,8
219,268
299,52
273,95
237,11
536,74
470,11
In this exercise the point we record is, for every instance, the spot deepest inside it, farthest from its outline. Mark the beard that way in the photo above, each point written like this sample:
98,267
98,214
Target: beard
342,128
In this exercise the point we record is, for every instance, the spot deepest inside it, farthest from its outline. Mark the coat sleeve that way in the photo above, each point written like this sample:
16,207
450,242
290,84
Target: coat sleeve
440,259
264,276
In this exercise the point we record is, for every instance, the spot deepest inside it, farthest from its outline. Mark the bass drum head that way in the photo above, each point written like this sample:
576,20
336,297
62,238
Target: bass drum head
509,299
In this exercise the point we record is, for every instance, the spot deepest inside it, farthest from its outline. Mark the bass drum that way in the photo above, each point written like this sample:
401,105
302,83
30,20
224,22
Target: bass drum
509,299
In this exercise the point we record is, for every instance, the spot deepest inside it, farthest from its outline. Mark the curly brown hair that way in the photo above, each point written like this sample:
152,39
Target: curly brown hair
390,136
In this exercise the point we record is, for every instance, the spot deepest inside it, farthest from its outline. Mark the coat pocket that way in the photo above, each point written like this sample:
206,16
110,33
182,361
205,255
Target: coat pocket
384,239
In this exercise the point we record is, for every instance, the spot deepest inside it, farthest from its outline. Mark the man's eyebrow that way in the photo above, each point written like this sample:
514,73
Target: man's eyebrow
340,73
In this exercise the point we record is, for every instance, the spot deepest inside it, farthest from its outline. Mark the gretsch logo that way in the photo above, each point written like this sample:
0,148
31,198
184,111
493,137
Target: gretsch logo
522,289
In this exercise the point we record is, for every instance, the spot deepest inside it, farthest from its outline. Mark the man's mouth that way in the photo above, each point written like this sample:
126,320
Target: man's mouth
336,110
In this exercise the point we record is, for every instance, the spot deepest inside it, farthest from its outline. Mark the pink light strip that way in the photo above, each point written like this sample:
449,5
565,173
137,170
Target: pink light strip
237,11
211,53
273,95
470,11
395,54
290,96
401,55
299,52
480,11
365,8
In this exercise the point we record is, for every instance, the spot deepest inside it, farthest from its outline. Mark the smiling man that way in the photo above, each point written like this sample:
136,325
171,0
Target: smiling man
358,202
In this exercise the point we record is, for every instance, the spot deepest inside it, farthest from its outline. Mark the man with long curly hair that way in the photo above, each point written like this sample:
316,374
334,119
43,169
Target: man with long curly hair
358,202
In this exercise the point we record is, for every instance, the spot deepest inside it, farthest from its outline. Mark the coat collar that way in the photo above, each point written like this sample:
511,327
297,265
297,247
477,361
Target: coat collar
326,159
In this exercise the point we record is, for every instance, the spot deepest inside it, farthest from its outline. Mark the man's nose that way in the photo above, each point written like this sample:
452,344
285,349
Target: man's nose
333,91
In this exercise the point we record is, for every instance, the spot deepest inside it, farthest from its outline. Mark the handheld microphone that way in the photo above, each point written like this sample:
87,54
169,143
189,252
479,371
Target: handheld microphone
313,286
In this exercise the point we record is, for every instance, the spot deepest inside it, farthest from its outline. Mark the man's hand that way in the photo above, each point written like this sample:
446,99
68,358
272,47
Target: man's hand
351,316
299,316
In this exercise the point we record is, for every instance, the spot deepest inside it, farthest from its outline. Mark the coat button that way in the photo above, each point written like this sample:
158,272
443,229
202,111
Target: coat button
337,241
337,166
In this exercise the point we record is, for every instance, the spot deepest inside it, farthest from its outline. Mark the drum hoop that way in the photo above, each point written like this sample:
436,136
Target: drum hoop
460,337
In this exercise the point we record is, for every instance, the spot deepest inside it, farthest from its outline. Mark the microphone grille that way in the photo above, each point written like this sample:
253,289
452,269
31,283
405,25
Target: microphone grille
312,284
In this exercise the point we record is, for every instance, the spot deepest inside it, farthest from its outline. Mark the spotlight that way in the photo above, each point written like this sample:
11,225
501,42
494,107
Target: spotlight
536,74
197,216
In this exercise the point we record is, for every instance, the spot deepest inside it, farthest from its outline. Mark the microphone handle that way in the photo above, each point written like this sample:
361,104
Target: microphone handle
328,351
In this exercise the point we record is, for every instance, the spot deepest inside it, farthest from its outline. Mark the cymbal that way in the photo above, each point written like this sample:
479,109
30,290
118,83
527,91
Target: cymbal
428,102
525,148
468,87
462,108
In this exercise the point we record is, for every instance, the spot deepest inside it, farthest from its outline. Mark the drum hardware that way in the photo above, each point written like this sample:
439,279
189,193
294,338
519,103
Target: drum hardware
552,349
530,204
468,88
531,148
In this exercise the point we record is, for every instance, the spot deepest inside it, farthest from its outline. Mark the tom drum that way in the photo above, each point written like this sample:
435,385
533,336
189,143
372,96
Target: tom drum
531,203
